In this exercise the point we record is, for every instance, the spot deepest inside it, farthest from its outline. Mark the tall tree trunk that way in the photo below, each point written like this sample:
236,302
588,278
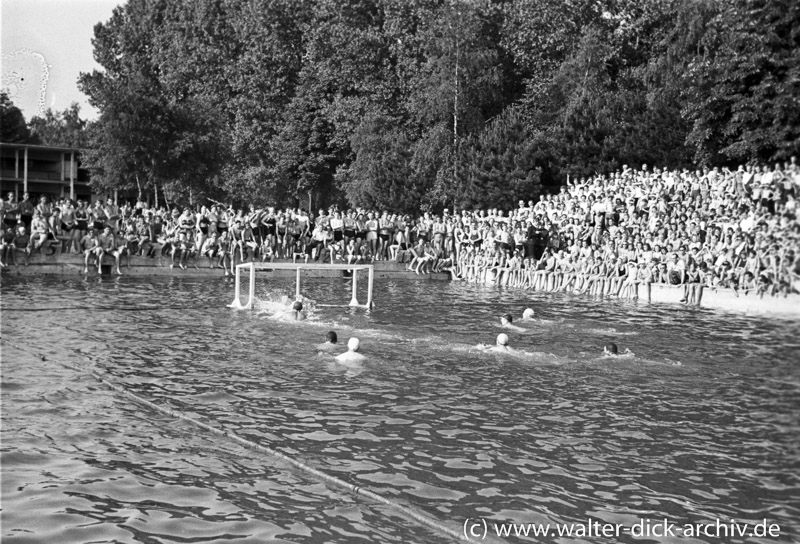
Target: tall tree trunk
455,113
139,188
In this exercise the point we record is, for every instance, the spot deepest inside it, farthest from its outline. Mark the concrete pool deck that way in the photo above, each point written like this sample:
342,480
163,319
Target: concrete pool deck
70,264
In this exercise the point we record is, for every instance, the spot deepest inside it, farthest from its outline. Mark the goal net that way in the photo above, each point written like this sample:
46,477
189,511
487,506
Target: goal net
250,268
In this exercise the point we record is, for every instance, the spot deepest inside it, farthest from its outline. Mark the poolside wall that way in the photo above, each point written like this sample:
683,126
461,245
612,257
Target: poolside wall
727,299
72,265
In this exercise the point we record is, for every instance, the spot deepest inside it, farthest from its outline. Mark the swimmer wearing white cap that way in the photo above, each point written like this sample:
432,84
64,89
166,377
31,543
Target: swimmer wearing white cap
501,345
351,355
528,314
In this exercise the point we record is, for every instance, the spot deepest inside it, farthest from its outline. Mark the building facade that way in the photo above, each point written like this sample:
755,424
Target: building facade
43,170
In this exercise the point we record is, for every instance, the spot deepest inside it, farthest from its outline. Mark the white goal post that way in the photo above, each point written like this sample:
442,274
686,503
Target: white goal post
251,268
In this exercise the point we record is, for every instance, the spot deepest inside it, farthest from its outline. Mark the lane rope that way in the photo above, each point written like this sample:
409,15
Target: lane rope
422,519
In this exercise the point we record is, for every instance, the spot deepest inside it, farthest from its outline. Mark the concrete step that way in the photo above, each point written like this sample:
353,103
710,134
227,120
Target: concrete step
53,261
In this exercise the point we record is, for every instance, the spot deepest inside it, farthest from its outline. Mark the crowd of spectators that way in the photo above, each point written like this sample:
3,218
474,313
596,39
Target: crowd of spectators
618,234
609,234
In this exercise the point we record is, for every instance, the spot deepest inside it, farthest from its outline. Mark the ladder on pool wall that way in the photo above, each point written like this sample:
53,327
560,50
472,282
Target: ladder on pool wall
298,268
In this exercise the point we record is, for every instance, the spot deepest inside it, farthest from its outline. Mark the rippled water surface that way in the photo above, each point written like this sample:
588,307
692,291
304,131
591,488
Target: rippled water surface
700,423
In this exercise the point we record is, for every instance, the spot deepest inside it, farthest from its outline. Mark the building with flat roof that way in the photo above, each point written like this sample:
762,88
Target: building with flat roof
43,170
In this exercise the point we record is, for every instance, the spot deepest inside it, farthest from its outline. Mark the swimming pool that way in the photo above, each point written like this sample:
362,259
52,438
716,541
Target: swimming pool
700,424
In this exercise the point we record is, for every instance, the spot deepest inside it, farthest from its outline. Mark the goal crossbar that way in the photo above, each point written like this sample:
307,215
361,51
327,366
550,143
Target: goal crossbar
252,267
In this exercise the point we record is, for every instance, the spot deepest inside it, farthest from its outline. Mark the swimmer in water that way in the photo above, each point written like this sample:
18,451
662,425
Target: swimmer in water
351,355
611,350
330,342
501,345
528,314
506,321
297,311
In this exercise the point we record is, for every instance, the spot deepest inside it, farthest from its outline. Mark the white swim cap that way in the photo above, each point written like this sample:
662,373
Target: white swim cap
527,313
502,339
353,344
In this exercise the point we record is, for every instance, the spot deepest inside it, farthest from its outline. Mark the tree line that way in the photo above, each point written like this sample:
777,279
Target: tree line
423,104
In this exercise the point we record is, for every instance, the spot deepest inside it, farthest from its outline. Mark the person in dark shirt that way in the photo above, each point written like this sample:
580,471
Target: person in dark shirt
21,242
26,209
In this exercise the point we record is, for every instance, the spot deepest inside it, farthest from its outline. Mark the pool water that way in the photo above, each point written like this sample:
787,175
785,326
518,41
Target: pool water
699,423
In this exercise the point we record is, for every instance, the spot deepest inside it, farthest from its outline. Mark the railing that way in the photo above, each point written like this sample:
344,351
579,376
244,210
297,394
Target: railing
36,175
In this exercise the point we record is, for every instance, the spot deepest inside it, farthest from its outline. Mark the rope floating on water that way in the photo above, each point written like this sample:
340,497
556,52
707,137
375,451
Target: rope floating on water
333,480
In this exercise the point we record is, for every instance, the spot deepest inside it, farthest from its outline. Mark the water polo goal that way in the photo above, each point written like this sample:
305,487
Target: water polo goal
252,267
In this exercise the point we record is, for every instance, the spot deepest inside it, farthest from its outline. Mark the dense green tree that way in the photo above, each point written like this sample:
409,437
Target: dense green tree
148,135
541,34
500,164
303,158
65,128
333,94
741,94
129,143
382,165
418,104
598,110
450,71
13,128
390,170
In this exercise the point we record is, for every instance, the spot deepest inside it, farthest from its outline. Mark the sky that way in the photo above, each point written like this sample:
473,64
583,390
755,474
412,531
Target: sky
45,45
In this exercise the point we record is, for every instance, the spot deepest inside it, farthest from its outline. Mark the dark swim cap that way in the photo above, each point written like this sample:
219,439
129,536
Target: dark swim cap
611,347
331,337
508,317
297,306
